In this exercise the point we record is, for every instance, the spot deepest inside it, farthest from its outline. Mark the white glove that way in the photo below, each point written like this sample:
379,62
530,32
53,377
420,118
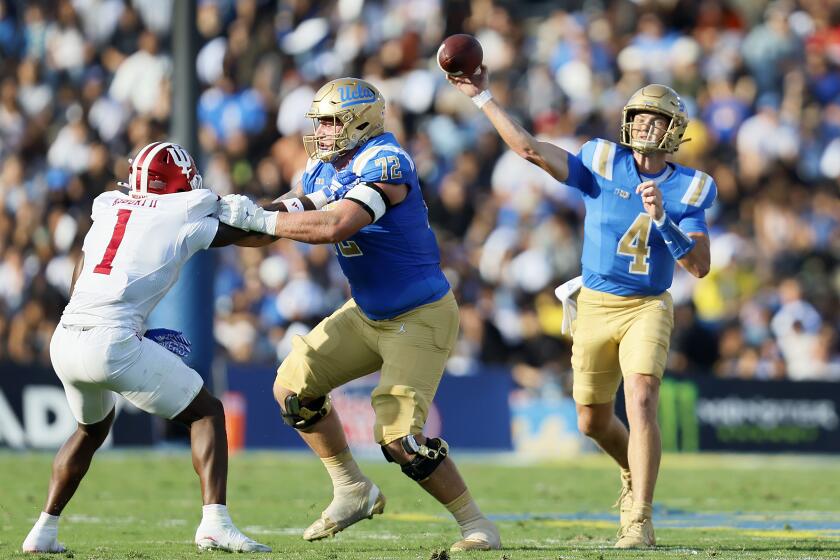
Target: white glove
567,294
241,212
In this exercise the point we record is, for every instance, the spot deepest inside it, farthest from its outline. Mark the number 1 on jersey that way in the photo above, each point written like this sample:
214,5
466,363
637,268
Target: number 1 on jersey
104,267
634,244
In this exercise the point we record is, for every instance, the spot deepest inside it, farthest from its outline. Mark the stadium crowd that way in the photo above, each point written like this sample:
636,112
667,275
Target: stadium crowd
87,82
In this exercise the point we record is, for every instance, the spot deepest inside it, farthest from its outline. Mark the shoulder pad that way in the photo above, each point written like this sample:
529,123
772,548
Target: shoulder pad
384,164
701,191
599,156
104,200
201,203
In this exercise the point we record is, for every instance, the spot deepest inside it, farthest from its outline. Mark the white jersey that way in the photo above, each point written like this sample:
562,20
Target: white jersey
134,252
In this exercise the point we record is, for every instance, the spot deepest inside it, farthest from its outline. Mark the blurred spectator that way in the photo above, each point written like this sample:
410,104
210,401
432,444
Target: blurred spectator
87,82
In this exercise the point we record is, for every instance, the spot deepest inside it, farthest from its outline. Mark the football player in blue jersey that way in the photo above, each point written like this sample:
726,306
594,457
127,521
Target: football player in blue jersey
643,215
402,319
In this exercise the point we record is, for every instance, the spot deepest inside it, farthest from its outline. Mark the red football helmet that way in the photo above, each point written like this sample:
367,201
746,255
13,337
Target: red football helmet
163,168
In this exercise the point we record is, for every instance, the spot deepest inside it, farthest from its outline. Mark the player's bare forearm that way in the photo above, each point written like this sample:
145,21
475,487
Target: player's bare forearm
545,155
698,260
294,192
278,205
227,235
331,226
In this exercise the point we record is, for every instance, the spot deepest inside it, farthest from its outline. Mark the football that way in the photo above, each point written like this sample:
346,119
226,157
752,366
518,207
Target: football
460,55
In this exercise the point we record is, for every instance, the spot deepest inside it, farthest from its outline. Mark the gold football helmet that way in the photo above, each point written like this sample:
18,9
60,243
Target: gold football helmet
662,100
357,105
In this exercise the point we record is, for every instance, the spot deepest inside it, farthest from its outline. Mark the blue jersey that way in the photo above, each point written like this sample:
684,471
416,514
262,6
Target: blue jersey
392,265
623,252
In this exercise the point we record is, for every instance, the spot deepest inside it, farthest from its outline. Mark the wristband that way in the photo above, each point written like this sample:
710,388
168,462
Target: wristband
320,198
482,98
264,222
661,221
678,243
292,205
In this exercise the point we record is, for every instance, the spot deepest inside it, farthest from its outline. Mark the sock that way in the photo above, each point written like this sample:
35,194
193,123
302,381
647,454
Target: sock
215,513
464,510
47,521
343,469
642,510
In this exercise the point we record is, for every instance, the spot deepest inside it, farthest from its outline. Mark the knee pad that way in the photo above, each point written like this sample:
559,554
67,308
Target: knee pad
426,457
300,416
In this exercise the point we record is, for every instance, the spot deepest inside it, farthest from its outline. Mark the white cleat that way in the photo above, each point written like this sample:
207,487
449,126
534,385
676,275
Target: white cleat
226,537
42,540
347,508
483,535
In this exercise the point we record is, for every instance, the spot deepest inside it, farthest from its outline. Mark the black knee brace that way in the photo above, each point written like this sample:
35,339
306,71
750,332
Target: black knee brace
300,416
426,457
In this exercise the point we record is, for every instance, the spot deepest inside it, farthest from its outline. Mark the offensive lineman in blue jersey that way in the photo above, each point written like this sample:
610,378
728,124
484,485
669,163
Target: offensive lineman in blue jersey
642,214
402,319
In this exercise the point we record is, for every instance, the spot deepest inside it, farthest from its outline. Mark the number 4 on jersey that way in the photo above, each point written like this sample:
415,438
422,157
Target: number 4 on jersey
634,244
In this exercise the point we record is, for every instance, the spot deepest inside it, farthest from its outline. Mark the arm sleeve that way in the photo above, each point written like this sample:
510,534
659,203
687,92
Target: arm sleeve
201,204
580,177
198,235
694,220
385,164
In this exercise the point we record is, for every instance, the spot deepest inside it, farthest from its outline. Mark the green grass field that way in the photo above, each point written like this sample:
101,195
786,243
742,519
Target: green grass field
146,506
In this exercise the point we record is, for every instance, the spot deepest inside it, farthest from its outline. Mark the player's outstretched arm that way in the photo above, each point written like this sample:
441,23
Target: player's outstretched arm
294,192
546,155
699,259
227,235
341,221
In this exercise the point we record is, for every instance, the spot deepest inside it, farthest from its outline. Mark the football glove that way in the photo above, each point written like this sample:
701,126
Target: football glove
174,341
241,212
342,182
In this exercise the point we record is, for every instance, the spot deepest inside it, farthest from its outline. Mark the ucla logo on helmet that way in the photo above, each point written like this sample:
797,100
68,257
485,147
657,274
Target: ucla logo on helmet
350,95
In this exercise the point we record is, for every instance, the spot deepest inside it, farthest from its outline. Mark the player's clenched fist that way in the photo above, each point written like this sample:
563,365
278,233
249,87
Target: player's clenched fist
241,212
651,199
237,210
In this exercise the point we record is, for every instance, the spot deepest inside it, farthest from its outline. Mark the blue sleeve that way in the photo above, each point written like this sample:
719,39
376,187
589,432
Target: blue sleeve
694,221
580,177
388,165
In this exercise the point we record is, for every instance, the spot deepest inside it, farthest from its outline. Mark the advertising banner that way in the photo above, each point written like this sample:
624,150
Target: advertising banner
750,416
34,413
469,412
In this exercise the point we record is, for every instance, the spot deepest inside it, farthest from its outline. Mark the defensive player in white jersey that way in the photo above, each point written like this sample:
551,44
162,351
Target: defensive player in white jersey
644,215
132,256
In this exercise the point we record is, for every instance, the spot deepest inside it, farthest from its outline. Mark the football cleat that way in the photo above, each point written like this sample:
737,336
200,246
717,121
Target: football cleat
484,535
42,540
625,502
347,508
637,534
225,536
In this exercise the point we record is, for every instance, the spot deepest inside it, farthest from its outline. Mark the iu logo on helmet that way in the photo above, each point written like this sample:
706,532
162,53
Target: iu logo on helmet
181,158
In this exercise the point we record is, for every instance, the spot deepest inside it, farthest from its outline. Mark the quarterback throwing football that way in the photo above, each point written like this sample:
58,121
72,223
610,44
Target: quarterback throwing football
132,256
643,214
402,319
